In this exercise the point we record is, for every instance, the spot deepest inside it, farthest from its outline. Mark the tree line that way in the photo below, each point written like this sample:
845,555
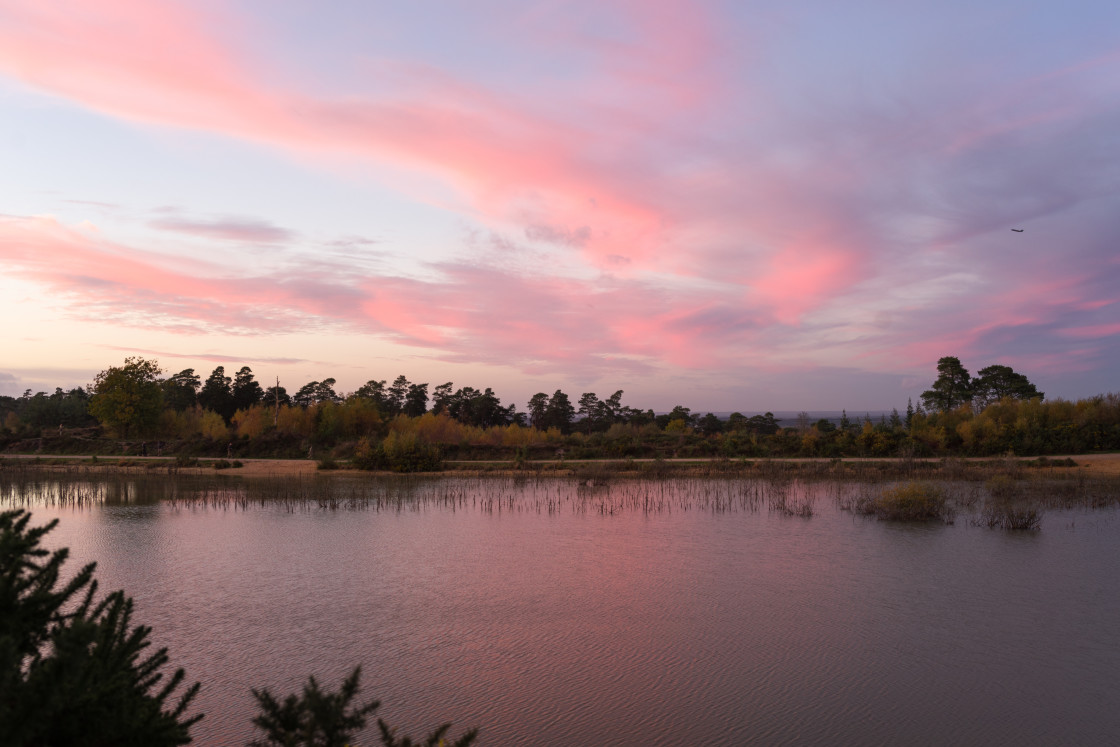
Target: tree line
997,411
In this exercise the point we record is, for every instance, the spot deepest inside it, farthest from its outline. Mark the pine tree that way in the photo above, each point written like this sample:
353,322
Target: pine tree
71,669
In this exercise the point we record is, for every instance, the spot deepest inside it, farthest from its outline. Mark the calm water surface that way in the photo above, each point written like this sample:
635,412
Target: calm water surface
532,611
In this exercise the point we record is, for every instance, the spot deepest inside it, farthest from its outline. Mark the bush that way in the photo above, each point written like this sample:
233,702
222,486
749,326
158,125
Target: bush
913,501
398,453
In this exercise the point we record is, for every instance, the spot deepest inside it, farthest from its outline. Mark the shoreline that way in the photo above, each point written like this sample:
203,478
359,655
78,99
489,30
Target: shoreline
1095,465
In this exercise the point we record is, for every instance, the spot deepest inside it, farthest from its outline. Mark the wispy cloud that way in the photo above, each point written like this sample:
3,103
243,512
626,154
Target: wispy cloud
212,357
469,312
245,230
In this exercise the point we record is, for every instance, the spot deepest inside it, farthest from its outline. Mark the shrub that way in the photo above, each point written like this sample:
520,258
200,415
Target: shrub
398,453
912,501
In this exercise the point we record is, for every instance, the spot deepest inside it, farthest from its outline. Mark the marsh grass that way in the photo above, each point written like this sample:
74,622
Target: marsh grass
997,493
912,501
1007,515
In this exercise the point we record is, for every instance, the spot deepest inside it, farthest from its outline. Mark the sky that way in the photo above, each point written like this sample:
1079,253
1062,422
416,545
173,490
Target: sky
748,205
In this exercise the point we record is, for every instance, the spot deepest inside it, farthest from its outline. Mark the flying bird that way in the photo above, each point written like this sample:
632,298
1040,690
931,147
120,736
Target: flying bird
1017,230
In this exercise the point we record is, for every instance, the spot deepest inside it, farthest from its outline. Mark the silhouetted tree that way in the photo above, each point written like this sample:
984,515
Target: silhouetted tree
559,413
274,393
71,667
217,394
952,389
710,425
996,382
763,425
398,391
180,392
314,392
538,410
441,398
416,401
736,421
591,411
316,718
246,391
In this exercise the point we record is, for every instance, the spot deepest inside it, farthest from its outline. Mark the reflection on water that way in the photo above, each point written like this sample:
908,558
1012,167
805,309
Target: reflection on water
679,612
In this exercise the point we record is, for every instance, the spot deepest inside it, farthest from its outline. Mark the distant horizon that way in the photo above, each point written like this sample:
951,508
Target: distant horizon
728,206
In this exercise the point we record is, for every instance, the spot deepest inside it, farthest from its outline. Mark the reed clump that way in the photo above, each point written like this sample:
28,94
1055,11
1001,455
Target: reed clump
912,501
1008,515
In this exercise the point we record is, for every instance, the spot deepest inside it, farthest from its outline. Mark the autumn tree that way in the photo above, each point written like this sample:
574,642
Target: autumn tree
128,399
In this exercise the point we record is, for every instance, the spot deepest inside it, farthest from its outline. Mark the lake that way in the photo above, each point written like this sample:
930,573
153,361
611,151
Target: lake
639,613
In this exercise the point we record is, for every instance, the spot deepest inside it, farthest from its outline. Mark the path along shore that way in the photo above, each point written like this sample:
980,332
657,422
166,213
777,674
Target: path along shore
1092,464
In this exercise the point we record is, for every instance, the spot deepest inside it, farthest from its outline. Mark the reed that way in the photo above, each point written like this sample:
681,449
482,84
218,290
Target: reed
992,493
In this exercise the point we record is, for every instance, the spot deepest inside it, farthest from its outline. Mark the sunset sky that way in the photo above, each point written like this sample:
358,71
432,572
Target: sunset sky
732,206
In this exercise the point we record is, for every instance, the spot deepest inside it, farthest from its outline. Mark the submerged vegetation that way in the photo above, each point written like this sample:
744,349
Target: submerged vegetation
1002,493
912,501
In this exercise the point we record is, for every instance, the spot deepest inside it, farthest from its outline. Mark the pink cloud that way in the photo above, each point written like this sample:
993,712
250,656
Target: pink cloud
714,230
467,313
477,313
156,63
227,229
1092,331
213,357
535,169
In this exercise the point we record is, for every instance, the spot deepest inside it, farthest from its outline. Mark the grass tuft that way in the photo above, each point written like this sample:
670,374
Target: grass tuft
912,501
